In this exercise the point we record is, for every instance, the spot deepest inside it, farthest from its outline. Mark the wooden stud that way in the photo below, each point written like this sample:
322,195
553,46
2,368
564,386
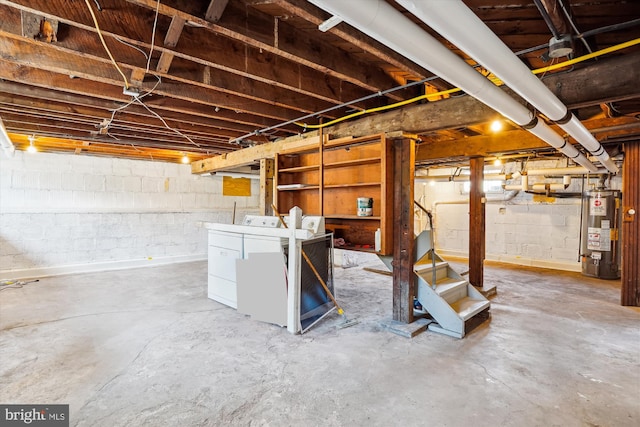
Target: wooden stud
170,40
477,238
403,276
630,290
215,10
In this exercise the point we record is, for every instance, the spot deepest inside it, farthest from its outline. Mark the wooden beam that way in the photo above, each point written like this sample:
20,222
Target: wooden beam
630,236
170,40
50,58
102,95
215,10
292,44
267,169
617,79
250,155
305,10
477,238
253,64
403,195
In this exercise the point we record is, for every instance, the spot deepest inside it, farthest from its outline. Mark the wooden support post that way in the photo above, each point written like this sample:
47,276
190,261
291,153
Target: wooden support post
266,186
477,223
630,291
403,277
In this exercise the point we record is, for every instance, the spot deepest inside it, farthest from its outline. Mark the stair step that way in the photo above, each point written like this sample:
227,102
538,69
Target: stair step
468,307
448,286
424,267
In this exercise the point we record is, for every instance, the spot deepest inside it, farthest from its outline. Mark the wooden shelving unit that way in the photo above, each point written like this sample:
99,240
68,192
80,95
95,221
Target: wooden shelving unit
329,179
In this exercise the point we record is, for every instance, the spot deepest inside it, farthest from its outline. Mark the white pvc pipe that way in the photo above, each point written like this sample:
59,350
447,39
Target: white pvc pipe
564,171
458,24
462,178
5,142
381,21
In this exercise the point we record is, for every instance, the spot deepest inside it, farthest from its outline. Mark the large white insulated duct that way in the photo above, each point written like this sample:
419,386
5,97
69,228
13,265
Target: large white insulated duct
458,24
5,142
381,21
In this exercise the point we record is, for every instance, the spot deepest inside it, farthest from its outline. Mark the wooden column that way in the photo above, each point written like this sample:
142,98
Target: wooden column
403,277
266,186
476,223
630,292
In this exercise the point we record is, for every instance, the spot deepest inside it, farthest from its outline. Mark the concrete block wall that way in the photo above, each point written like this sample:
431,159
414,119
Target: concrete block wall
64,213
521,230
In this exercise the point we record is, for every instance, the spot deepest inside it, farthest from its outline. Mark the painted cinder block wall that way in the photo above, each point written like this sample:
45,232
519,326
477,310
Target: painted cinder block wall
63,213
522,230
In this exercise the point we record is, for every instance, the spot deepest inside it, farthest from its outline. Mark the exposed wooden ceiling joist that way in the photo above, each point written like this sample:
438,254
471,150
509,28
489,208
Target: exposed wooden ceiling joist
229,68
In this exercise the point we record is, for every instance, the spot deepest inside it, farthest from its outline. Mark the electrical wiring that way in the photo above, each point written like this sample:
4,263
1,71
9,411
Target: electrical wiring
113,112
15,284
165,123
496,81
153,37
588,56
133,47
376,109
148,58
104,43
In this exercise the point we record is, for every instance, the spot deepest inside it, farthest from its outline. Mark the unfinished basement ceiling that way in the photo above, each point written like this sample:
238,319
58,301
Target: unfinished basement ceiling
220,72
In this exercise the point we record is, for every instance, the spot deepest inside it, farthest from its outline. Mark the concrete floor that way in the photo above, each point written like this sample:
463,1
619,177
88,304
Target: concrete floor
146,347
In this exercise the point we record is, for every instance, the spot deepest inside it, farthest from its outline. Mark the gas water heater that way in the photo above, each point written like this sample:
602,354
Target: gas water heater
600,251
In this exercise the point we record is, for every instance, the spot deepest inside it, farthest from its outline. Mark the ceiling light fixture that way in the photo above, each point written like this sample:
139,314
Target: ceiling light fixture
496,125
32,148
185,159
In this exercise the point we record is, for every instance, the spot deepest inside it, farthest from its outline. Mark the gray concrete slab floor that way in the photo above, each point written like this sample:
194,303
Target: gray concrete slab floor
145,347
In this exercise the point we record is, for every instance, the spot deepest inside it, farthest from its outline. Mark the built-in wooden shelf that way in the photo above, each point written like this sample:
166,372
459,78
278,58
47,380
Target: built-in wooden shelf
355,184
306,187
370,160
299,169
351,217
341,171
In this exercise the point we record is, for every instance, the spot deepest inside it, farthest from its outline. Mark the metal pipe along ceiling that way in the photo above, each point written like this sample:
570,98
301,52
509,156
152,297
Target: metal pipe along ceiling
381,21
458,24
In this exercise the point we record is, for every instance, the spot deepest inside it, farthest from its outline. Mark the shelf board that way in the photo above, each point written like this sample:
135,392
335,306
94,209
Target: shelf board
350,217
342,142
306,187
356,184
299,169
357,162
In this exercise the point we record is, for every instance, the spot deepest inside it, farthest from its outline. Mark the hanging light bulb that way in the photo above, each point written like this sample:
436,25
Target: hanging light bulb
496,125
185,159
497,162
32,148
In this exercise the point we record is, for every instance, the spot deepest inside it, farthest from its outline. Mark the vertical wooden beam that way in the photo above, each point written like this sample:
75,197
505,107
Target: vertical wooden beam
630,291
403,277
267,169
477,237
215,10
